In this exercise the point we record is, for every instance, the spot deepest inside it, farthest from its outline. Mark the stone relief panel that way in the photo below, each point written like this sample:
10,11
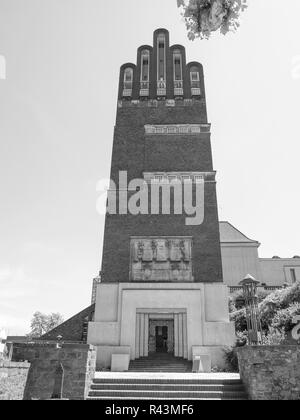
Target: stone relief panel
161,259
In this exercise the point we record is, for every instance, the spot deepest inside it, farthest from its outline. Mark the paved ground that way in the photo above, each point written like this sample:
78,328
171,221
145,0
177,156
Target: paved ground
142,375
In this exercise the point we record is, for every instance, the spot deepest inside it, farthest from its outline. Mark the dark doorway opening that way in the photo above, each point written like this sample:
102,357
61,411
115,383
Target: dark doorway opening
161,336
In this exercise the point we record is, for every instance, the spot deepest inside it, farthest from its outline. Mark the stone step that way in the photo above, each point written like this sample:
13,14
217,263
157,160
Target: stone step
157,381
160,366
163,399
161,363
134,394
178,366
160,370
167,387
162,386
154,362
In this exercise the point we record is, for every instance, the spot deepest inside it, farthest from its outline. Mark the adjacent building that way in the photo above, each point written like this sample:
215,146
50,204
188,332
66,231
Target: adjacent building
240,256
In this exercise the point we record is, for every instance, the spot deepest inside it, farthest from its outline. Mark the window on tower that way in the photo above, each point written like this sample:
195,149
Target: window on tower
195,81
161,65
128,82
145,73
178,75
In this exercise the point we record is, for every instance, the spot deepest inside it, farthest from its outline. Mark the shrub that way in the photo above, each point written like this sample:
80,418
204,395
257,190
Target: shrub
239,319
275,302
232,360
277,311
283,320
274,337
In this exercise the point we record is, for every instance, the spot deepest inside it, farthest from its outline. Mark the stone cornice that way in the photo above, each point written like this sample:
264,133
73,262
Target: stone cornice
155,103
177,129
170,176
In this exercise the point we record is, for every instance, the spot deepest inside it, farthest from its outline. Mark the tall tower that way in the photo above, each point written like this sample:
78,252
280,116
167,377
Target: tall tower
162,287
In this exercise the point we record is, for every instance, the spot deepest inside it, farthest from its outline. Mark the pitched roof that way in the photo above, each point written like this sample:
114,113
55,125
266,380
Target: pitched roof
230,234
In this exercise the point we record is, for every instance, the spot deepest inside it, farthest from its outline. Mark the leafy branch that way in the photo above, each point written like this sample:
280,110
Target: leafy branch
202,17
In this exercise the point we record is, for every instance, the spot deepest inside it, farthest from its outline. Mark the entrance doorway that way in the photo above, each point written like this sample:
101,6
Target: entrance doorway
161,336
161,339
170,339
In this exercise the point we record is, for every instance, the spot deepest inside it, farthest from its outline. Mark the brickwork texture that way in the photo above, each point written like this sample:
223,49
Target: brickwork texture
79,364
271,373
13,378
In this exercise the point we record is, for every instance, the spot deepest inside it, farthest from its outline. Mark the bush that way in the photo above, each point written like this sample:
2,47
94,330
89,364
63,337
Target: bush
275,302
232,360
277,311
231,353
283,320
239,319
274,337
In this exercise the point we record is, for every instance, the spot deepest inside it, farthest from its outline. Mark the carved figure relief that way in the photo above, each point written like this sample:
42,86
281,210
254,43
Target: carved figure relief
161,259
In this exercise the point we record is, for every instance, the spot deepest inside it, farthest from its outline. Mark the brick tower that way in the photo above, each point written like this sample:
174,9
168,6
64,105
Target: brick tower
162,288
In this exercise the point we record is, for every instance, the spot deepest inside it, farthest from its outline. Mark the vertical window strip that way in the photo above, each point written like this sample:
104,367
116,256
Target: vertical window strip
177,62
128,82
195,81
161,58
145,66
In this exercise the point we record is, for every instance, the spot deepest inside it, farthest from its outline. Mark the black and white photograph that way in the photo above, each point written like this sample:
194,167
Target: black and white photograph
149,207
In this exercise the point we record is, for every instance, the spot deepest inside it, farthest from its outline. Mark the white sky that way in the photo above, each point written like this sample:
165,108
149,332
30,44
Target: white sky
57,112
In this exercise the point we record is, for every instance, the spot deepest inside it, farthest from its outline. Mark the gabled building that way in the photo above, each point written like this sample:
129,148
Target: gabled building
240,256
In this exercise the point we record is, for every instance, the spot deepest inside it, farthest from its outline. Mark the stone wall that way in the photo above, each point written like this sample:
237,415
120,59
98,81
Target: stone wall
13,378
271,373
78,361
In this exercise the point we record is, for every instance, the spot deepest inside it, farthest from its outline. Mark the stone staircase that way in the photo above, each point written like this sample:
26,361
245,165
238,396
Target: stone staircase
161,363
169,387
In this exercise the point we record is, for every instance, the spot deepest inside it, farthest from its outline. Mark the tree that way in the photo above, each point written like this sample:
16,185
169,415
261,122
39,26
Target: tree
202,17
43,323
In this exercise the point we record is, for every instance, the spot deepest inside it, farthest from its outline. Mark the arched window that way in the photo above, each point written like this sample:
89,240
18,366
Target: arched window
145,73
195,81
161,65
178,75
128,82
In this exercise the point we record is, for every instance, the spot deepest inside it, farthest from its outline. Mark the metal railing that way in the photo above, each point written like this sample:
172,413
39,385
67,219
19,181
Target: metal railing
234,289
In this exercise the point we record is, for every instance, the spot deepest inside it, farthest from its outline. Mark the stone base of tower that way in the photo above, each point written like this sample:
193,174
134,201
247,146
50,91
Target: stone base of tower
182,319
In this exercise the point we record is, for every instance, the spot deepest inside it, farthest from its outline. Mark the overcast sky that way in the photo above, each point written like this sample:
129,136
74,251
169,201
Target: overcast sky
57,113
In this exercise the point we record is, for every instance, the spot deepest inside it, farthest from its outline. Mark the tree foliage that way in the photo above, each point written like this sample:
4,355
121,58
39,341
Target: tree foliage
202,17
43,323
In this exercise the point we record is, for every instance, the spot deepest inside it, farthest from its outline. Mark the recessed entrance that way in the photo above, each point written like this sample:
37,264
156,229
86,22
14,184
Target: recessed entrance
161,331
